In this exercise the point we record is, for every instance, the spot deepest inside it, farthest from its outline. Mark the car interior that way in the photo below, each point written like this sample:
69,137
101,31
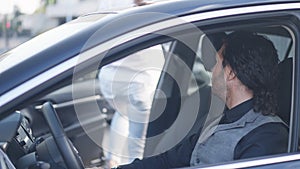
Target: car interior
183,111
283,42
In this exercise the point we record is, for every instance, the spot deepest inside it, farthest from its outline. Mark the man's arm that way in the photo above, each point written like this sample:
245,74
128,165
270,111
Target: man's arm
179,156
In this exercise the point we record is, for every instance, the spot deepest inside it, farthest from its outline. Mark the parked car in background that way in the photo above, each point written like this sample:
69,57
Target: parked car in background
52,113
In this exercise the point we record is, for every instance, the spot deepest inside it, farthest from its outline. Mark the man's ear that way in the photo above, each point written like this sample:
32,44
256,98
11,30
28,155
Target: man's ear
230,74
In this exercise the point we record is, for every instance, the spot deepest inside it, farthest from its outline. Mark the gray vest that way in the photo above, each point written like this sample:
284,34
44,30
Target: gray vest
220,145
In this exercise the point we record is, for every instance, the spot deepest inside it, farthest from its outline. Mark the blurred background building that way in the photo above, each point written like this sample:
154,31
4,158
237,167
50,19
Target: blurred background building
21,20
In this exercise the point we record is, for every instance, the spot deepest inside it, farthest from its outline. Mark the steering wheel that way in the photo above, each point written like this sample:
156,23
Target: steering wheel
66,149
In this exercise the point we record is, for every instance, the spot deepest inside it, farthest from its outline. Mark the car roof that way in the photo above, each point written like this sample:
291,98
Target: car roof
68,40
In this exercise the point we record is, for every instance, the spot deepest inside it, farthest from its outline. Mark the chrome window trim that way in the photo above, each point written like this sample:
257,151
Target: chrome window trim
71,63
242,10
257,163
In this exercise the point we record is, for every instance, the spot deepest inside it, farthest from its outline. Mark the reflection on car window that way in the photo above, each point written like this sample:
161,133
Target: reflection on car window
129,85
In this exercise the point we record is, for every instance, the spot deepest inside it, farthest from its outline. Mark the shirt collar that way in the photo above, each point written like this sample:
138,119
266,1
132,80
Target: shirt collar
235,113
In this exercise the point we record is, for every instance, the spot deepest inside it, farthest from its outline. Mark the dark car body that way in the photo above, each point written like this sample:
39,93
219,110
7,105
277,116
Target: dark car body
61,66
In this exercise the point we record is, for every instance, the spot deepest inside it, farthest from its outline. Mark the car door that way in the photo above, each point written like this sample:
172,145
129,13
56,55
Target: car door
178,90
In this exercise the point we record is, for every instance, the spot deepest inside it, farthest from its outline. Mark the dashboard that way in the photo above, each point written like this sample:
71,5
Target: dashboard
22,150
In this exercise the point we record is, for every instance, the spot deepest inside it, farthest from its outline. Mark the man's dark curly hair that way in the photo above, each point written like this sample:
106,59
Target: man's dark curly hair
254,60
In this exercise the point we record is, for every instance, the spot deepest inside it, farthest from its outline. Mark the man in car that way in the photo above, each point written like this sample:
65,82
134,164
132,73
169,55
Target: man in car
245,78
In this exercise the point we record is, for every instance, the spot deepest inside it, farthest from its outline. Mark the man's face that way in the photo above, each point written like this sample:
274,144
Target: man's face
218,76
